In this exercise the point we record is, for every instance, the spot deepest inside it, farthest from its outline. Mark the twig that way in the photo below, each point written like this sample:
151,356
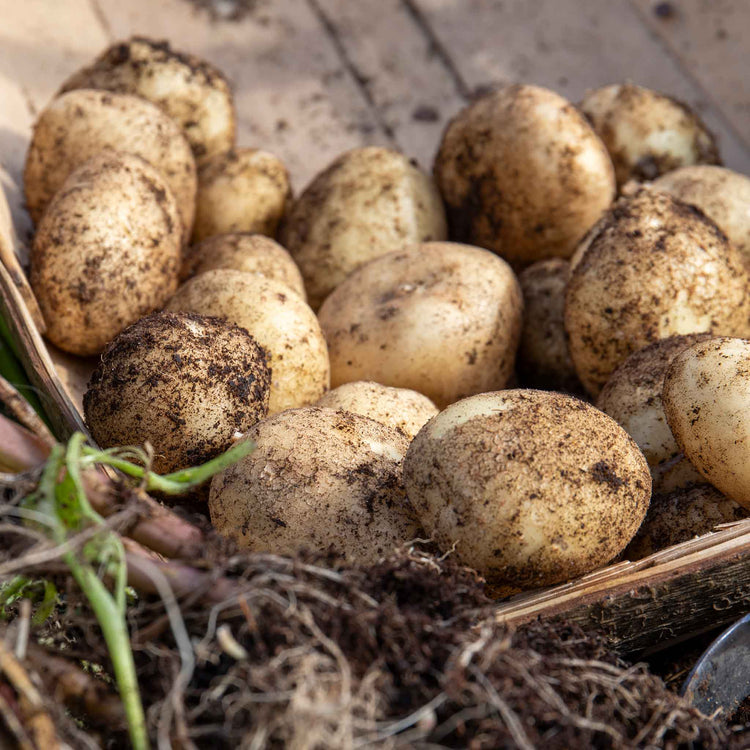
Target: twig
22,636
22,410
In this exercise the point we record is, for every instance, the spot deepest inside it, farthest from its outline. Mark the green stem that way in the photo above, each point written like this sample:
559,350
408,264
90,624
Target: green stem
114,629
12,370
180,481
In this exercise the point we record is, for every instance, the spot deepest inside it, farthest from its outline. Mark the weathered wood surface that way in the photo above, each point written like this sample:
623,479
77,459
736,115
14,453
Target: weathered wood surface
641,606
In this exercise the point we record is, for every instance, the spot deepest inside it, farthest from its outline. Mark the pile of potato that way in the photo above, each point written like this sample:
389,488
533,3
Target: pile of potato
219,306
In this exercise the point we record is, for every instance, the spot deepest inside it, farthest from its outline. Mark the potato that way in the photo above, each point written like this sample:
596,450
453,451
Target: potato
682,515
543,357
369,202
396,407
438,318
632,397
106,252
185,383
707,400
653,267
647,133
242,190
188,89
251,253
78,125
523,174
531,487
277,318
319,479
723,195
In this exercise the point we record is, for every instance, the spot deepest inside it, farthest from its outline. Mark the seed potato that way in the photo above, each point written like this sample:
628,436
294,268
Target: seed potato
240,251
188,89
523,174
706,401
77,125
106,252
369,202
242,190
632,397
647,133
321,480
183,382
653,267
396,407
681,515
531,487
277,318
723,195
438,318
543,357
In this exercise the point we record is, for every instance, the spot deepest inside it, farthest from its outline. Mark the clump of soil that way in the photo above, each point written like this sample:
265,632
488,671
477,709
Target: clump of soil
401,654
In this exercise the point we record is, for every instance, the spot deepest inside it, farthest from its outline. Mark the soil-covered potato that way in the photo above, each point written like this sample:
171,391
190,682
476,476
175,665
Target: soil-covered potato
242,190
189,89
369,202
632,397
707,401
523,174
543,357
78,125
318,479
106,252
240,251
277,318
652,268
185,383
647,133
681,515
723,195
531,487
397,407
439,318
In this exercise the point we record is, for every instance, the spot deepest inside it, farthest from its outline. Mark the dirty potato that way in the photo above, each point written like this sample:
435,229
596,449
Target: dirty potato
106,252
159,381
439,318
653,267
523,174
277,318
242,190
647,133
530,487
321,480
190,90
369,202
397,407
78,125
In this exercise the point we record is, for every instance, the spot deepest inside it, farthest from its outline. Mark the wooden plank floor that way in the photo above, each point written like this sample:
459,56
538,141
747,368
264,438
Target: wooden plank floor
313,78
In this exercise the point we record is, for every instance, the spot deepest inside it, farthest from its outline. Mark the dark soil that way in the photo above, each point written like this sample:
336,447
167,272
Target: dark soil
741,716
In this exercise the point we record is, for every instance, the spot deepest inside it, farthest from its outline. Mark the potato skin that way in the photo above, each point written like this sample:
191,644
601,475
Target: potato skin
106,252
240,251
242,190
439,318
369,202
277,318
321,480
523,174
190,90
653,267
681,515
405,409
77,125
186,383
632,397
723,195
706,397
647,133
543,357
532,487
